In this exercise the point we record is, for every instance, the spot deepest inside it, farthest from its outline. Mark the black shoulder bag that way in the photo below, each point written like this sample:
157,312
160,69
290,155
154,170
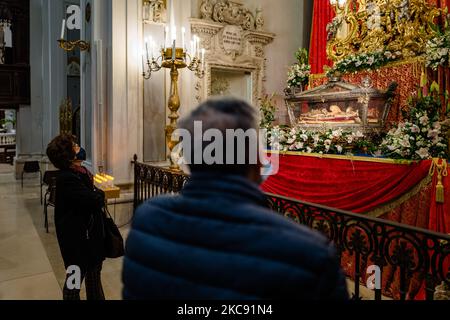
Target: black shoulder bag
114,247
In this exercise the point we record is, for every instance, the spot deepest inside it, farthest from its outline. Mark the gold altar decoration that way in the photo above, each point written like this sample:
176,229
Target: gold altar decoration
65,117
365,26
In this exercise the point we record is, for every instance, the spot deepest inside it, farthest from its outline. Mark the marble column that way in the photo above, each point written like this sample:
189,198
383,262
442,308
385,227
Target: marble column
38,123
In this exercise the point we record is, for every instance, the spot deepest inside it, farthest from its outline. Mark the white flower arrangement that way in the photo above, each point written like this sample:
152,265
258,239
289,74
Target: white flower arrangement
422,137
298,73
438,51
326,141
365,61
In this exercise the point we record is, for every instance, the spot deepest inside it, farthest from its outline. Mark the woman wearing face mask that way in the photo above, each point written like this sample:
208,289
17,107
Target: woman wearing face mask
78,221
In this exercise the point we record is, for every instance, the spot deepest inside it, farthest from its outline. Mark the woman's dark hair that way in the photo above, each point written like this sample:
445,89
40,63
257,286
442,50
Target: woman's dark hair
60,151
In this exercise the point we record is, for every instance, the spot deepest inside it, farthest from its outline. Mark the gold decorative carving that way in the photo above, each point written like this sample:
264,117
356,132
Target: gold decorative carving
65,117
72,45
396,25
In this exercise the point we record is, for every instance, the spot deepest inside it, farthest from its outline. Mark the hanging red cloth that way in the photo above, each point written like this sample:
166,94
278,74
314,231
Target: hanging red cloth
322,15
440,3
357,186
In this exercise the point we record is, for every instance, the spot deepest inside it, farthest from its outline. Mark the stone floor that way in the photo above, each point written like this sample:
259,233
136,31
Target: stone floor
6,168
31,267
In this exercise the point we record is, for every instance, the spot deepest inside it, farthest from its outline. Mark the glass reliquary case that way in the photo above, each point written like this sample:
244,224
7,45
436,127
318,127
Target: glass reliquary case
339,104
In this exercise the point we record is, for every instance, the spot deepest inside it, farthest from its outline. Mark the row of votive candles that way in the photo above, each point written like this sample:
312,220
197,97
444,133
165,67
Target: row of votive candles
104,180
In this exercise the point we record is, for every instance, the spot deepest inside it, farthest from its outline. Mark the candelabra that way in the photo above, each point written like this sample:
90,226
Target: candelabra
174,59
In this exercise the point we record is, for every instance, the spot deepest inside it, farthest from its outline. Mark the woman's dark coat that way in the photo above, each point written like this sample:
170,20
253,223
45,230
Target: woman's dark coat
79,220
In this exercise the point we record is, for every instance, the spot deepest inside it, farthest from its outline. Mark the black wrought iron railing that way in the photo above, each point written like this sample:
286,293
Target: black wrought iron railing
398,261
151,181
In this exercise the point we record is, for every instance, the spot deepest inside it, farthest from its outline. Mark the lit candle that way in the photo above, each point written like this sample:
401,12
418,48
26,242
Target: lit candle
143,62
173,51
153,44
174,33
195,46
198,47
183,34
166,37
63,29
146,47
172,13
192,48
203,57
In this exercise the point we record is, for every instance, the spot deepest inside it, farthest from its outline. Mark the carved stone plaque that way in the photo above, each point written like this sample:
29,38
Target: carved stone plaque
232,39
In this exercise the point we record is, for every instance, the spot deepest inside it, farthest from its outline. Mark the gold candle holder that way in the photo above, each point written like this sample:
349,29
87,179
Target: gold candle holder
173,61
174,99
72,45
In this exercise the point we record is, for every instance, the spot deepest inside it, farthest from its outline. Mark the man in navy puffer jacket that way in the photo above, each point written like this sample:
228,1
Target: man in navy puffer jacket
219,240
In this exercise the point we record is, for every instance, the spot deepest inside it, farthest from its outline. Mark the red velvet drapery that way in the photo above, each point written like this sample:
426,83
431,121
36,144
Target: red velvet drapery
357,186
322,15
361,185
440,3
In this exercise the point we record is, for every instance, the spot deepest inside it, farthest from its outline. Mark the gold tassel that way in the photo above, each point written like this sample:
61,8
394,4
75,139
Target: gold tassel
441,169
440,193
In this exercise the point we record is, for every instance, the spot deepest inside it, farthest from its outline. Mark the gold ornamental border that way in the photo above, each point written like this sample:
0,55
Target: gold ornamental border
390,206
343,157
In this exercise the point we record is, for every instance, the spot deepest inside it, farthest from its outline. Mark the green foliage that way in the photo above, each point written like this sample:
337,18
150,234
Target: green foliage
6,121
267,109
302,56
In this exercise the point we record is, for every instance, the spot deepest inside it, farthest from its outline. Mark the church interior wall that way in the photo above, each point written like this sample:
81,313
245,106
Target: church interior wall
116,124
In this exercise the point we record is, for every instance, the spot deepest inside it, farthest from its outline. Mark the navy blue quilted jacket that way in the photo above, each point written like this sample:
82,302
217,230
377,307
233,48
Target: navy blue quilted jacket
218,240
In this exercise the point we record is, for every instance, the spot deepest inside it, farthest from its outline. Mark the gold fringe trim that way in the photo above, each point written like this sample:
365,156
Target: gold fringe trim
398,202
418,63
342,157
439,166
